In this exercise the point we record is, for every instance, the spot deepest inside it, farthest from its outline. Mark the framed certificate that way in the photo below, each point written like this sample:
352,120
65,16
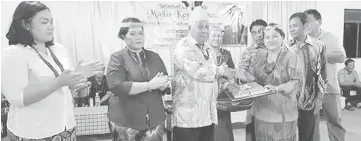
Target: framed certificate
246,91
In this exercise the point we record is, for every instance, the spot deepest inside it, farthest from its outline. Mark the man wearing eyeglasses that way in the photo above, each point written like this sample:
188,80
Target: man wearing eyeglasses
335,53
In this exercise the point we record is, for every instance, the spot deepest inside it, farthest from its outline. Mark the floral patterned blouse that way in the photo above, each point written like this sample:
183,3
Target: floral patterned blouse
284,73
194,85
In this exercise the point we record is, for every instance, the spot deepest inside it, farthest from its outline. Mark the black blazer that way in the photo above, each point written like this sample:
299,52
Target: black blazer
130,110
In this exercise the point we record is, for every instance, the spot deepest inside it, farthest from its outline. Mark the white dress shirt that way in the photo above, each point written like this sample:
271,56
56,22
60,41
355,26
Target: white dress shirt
21,67
332,47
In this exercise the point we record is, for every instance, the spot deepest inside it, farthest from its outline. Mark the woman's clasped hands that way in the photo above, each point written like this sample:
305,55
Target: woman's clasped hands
159,81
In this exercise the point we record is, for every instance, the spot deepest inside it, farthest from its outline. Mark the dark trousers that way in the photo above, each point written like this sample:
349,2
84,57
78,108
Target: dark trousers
223,131
352,99
194,134
4,129
308,129
250,130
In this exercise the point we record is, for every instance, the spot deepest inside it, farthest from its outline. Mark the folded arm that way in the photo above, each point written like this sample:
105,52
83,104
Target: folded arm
335,53
336,57
342,81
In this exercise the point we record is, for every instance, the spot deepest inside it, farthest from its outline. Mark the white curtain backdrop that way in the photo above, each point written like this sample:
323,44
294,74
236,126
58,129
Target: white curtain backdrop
88,29
280,11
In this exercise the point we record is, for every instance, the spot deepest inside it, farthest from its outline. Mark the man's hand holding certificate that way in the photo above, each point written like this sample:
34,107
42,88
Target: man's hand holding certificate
246,91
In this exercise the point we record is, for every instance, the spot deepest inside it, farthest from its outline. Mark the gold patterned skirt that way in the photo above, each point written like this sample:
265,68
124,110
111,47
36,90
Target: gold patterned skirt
267,131
120,133
68,135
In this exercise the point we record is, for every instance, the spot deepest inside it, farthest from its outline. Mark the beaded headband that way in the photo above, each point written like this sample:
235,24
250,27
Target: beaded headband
132,24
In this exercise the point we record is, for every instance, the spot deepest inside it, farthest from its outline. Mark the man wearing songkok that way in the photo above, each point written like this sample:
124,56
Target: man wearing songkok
194,83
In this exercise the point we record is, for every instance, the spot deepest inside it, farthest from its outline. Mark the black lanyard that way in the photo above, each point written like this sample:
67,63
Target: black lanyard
201,47
141,61
48,64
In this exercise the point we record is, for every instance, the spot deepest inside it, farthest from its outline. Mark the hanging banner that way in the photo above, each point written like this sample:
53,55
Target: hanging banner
167,22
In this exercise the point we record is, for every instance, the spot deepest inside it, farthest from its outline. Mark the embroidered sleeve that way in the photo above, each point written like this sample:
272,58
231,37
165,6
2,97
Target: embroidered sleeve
294,70
322,61
245,60
321,72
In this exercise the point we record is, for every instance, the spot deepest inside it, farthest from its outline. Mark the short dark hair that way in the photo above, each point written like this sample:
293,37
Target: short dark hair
278,29
257,22
124,30
301,16
348,61
25,11
315,13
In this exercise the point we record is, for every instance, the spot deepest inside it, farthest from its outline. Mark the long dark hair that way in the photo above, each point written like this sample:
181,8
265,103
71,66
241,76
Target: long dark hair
24,13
